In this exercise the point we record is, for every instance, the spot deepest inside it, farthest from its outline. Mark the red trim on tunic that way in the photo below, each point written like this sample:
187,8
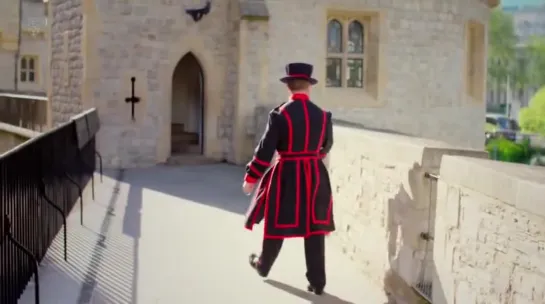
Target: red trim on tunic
254,170
317,173
278,237
299,96
250,179
261,162
307,126
324,124
290,129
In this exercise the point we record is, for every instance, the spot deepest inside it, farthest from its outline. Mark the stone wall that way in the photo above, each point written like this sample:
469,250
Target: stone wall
97,46
146,40
66,59
422,55
382,201
12,136
489,233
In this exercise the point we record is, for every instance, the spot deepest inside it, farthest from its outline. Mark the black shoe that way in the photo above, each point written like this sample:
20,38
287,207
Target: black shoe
254,263
317,291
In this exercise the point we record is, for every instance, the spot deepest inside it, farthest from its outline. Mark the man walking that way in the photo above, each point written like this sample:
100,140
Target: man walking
293,197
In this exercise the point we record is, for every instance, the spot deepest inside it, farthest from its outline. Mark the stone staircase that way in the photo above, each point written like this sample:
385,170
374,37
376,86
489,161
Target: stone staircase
183,148
181,140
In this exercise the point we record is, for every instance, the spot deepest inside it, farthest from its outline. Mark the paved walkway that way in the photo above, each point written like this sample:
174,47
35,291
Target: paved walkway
175,235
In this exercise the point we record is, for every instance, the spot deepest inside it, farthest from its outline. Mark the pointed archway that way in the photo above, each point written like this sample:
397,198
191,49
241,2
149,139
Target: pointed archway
187,111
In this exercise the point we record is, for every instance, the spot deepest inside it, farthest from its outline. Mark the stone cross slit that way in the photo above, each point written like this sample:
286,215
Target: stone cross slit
132,99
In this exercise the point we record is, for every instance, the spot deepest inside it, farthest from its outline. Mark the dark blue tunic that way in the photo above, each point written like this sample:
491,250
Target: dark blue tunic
294,195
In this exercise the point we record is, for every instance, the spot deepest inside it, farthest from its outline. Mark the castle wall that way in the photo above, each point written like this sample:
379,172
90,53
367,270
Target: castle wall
424,68
419,72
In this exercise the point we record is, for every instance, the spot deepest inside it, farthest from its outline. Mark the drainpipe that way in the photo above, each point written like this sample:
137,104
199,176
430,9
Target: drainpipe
18,51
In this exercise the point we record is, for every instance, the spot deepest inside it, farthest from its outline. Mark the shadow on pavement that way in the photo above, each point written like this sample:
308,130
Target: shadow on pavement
216,185
312,298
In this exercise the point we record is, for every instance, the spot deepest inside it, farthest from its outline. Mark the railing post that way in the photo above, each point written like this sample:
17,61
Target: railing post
100,164
80,192
9,236
46,198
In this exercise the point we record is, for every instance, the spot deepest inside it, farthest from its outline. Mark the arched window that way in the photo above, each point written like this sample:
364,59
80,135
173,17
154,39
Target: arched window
334,36
27,69
345,53
355,37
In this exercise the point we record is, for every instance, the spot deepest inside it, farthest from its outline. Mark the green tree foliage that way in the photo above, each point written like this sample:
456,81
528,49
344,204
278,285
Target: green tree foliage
502,41
505,150
532,118
521,65
536,59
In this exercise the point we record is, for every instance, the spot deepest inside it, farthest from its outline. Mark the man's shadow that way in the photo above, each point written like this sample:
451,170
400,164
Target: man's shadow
312,298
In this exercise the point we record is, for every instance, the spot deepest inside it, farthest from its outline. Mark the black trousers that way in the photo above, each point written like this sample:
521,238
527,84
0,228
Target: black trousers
314,256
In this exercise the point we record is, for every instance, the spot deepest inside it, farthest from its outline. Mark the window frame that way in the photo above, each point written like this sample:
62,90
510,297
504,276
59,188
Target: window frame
345,22
26,71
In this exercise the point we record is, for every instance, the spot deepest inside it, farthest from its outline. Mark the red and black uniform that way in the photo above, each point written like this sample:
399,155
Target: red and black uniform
294,194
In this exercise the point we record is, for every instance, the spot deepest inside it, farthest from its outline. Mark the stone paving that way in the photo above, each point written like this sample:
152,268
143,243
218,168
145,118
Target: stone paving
175,235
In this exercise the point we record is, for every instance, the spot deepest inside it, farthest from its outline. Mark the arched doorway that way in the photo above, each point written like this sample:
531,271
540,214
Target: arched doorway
187,125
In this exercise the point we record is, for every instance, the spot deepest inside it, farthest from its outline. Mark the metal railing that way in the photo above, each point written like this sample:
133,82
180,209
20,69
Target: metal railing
424,280
40,182
25,111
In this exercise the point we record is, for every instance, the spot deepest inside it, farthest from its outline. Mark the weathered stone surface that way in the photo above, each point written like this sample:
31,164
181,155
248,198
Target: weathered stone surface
489,240
66,59
383,202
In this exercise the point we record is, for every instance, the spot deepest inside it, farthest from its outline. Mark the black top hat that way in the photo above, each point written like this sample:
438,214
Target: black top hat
298,70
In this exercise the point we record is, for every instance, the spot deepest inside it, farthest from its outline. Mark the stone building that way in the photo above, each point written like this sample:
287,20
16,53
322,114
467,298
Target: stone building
415,67
31,56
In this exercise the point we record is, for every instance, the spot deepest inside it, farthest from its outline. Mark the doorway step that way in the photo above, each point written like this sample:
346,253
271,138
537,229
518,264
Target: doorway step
182,140
189,160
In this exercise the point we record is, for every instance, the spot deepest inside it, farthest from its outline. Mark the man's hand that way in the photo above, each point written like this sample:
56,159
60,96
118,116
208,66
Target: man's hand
248,188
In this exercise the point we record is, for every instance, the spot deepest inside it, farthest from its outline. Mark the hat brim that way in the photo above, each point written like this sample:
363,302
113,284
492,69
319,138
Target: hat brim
311,80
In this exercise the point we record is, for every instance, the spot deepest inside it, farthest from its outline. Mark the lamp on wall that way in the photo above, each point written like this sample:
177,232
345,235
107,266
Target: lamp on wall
198,13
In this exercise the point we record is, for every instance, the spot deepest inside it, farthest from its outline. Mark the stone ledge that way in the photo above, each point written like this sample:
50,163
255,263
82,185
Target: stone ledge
387,147
521,186
18,131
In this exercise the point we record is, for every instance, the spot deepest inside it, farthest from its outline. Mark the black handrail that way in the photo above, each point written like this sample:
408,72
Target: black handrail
40,180
9,236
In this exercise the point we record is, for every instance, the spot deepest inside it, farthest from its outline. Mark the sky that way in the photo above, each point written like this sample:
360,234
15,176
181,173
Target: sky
511,3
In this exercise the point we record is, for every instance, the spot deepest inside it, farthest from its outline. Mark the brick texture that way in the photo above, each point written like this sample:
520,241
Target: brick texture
66,59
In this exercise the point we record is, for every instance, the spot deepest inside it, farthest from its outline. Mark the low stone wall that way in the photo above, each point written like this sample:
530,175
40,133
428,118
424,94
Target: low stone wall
382,202
12,136
489,233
